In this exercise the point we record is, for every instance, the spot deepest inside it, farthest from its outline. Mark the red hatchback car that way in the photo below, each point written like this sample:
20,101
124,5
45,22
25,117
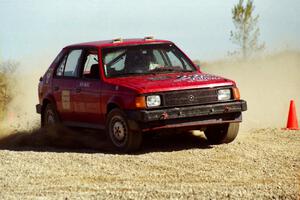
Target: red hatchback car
128,87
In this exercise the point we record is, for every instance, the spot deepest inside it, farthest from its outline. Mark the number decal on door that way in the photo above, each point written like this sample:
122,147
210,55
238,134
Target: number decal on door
65,98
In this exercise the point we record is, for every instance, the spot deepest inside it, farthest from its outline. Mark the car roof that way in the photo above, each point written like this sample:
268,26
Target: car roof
119,42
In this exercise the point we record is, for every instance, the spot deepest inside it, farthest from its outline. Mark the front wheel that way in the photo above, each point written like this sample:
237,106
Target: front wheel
223,133
119,133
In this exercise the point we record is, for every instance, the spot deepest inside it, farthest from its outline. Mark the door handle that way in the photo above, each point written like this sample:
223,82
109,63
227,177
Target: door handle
56,88
78,90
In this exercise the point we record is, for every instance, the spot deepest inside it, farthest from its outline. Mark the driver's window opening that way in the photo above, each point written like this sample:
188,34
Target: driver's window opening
91,65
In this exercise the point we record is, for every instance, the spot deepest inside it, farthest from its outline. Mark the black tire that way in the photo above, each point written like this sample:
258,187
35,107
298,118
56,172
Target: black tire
50,116
223,133
118,131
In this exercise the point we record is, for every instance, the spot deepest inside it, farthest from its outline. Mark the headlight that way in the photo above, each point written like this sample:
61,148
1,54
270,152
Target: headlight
224,94
153,100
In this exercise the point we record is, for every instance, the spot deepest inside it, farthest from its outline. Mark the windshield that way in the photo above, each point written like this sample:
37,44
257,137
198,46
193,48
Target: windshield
144,59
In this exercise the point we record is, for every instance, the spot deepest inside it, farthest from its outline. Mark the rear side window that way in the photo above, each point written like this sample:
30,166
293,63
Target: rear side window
60,69
68,65
72,62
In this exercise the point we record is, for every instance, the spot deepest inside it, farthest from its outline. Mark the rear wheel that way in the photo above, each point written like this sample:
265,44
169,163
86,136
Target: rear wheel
119,133
220,134
50,116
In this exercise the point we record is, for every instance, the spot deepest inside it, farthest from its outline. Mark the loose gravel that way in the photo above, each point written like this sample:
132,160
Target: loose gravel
260,164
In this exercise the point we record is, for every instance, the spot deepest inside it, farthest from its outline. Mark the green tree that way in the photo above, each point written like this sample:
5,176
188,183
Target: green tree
246,32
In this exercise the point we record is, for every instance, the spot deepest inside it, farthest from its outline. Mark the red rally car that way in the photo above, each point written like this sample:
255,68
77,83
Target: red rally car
128,87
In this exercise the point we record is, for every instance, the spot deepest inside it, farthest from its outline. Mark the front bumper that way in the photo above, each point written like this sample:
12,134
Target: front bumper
189,116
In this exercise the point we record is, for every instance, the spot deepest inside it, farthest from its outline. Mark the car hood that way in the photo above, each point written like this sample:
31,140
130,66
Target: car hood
170,82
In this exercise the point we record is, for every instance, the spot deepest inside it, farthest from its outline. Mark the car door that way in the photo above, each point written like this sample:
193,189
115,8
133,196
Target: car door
64,83
87,102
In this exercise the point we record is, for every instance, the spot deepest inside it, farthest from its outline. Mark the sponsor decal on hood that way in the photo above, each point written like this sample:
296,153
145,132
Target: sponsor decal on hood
197,78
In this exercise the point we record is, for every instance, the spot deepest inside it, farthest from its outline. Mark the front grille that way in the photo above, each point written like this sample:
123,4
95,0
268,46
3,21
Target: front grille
190,97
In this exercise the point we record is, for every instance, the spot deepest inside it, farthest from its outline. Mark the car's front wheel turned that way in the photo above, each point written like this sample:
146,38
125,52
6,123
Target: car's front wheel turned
121,136
50,116
223,133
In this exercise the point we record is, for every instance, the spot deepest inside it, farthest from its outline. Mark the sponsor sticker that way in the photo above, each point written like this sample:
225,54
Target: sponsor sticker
197,77
65,98
84,84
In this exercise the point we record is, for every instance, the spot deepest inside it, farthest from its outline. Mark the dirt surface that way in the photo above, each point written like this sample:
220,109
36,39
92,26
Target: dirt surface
260,164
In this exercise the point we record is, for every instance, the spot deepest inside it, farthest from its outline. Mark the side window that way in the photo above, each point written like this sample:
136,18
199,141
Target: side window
60,69
91,67
72,62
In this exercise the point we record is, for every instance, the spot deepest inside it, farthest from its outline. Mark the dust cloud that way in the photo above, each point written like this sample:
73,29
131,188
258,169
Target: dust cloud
21,113
267,84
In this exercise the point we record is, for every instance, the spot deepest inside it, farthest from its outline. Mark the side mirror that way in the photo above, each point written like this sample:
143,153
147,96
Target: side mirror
41,79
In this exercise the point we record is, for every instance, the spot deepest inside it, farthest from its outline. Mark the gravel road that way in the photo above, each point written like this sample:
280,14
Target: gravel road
260,164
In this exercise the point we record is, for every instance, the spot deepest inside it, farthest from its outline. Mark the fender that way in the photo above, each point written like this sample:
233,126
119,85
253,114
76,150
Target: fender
50,98
116,100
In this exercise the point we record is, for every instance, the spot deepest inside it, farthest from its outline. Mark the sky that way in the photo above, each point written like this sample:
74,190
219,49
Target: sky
39,29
